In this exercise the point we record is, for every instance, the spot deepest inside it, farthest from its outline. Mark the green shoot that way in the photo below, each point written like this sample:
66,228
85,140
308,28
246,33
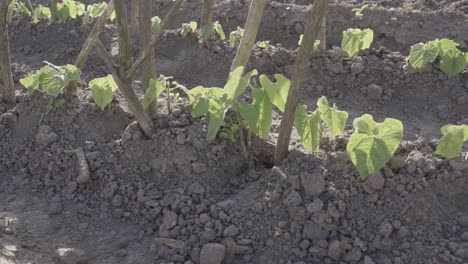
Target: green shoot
451,143
188,28
208,31
358,11
16,8
355,40
155,22
265,44
235,37
41,13
68,9
316,43
102,90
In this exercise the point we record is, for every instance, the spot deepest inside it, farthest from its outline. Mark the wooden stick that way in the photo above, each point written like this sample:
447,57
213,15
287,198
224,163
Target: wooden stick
297,81
8,87
148,69
207,13
323,35
136,108
83,167
250,34
93,36
154,39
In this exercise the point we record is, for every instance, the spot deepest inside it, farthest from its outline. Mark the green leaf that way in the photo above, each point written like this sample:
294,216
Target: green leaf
216,112
355,40
95,10
309,128
205,32
155,22
235,37
102,90
200,107
445,45
453,62
277,91
451,144
263,44
219,29
316,42
31,82
258,115
422,54
188,28
373,144
237,83
358,11
155,88
41,13
336,120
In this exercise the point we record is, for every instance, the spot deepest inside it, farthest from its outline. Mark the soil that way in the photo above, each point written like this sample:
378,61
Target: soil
177,198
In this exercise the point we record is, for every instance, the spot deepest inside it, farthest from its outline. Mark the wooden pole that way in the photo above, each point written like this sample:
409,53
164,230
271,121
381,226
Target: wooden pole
148,69
8,87
297,81
207,13
250,34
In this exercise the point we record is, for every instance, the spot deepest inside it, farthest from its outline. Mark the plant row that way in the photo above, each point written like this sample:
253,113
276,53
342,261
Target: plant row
369,148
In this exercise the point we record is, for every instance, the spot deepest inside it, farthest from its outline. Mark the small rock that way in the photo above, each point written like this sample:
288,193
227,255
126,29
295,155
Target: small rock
336,67
464,236
231,231
368,260
375,182
463,220
313,184
196,188
385,229
198,167
314,231
374,91
70,256
315,206
212,253
46,136
357,68
353,255
335,250
293,199
169,219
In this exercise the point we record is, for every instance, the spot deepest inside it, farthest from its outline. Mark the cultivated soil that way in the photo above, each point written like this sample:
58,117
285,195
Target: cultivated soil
177,198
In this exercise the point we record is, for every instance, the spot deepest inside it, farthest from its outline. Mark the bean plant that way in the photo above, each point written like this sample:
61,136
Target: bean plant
210,30
451,143
451,60
188,28
235,37
355,40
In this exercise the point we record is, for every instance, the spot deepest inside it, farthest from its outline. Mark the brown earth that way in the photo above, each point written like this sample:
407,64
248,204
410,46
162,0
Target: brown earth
176,198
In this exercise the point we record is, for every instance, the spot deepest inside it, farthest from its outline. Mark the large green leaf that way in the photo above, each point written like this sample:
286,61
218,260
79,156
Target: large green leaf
258,115
200,107
216,112
373,144
309,128
451,144
102,90
237,84
355,40
277,91
41,13
155,88
446,45
422,54
453,62
335,119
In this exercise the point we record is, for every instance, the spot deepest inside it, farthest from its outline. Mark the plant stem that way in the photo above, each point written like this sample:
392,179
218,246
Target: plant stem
250,34
242,137
300,67
8,88
134,16
93,36
148,69
207,13
168,98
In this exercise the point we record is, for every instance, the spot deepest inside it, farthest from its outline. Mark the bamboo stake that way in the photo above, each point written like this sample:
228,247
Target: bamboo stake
250,34
148,70
207,13
8,87
297,81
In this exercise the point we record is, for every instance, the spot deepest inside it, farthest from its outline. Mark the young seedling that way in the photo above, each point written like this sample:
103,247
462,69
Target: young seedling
102,90
157,87
210,31
51,80
265,44
355,40
235,37
316,43
358,11
93,12
68,9
452,60
373,144
17,8
451,144
188,28
41,13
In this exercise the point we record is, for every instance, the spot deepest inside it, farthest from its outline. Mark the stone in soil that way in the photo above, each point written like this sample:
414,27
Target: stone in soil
212,253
